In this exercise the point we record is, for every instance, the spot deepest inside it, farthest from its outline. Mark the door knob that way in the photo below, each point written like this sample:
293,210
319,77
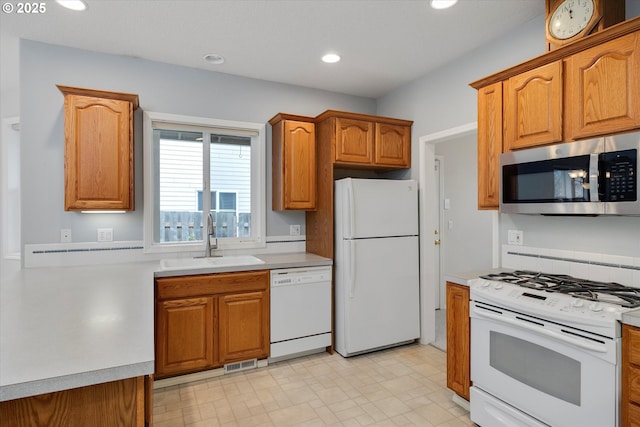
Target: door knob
437,242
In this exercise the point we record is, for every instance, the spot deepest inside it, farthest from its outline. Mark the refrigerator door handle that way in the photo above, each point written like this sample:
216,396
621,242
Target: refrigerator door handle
351,209
352,265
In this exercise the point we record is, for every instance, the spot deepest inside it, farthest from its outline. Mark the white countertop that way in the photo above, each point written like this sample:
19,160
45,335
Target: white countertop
463,278
68,327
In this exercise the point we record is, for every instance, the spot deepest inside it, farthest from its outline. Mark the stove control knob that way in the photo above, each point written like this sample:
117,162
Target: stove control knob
485,284
577,303
596,306
498,286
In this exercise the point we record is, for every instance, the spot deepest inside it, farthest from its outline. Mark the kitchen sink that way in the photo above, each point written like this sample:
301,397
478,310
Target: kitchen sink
208,262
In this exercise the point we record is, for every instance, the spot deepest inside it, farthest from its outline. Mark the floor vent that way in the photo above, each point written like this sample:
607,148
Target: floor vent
240,366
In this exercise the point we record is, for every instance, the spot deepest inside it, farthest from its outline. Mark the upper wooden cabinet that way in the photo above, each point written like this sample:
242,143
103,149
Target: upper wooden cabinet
587,88
533,108
603,85
393,145
369,142
293,163
489,145
98,153
354,142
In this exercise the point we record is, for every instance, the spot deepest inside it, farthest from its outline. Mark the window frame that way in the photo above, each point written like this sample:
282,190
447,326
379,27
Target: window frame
258,182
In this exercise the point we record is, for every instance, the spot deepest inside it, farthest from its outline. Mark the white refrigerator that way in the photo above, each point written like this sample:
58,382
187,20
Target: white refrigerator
376,264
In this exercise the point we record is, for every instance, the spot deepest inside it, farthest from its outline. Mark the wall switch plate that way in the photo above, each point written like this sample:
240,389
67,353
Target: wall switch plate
294,230
515,237
105,234
65,235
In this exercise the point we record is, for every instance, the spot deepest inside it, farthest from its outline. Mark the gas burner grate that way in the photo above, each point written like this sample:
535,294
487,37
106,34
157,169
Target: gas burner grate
609,292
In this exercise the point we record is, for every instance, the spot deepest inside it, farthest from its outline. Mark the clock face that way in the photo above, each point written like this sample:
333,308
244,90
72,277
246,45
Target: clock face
570,18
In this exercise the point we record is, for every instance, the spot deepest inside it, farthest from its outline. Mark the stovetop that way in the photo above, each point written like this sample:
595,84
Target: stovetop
606,292
583,304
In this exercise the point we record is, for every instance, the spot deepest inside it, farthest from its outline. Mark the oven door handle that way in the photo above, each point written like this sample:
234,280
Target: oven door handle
551,334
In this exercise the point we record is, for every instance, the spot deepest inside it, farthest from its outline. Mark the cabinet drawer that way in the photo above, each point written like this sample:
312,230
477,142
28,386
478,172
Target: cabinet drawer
211,284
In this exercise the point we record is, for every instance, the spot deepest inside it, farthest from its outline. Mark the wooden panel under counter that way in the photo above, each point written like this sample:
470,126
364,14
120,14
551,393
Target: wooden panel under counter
115,403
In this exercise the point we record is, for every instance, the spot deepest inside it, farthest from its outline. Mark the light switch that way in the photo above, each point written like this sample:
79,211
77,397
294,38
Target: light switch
447,203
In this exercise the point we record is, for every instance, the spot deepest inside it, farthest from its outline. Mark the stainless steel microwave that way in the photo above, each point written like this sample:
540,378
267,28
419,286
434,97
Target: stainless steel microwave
590,177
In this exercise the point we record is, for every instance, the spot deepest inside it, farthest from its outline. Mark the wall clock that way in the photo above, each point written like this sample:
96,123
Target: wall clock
569,20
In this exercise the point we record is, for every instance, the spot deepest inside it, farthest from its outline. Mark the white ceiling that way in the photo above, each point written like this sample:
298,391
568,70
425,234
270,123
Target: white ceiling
383,43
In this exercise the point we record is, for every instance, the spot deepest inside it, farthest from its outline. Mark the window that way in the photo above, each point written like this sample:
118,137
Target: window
191,163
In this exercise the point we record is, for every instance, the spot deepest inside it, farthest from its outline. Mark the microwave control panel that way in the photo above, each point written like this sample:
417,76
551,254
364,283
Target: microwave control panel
620,176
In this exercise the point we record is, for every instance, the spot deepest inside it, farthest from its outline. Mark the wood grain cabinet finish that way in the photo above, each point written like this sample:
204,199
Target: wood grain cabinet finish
244,330
489,145
293,163
205,321
604,88
126,402
392,145
185,330
367,142
98,149
630,397
458,340
354,142
533,108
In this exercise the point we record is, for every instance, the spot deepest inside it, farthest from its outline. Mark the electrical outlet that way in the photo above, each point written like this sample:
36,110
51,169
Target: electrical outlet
294,230
105,234
65,235
515,237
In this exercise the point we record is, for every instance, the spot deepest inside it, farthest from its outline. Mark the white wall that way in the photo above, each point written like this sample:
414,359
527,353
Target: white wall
161,88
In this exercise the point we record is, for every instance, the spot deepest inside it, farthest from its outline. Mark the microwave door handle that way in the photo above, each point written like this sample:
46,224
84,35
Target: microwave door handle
593,177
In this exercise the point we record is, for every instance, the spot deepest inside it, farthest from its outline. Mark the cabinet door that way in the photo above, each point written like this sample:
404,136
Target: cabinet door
533,107
98,153
354,141
489,145
630,397
244,326
185,332
458,340
392,145
604,87
299,166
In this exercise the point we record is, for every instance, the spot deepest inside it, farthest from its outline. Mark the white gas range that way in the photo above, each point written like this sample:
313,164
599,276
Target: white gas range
545,349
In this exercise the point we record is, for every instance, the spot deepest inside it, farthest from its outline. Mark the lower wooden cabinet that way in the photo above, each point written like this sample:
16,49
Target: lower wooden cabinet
185,329
630,405
244,320
206,321
458,340
126,402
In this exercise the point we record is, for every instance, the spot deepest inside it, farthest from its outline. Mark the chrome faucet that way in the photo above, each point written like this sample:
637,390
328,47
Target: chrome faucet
211,237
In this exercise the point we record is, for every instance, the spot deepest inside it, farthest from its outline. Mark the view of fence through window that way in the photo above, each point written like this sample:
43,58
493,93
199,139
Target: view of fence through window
181,166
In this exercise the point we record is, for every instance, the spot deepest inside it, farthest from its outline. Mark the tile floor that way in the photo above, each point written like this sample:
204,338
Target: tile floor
403,386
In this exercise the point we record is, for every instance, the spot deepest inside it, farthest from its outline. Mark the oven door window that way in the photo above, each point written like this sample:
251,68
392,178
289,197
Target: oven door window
539,367
555,180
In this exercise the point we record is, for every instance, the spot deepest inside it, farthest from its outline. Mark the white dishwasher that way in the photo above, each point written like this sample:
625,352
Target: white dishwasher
300,310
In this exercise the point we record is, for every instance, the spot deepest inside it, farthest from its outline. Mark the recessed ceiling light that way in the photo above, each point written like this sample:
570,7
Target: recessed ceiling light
331,58
214,58
442,4
73,4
